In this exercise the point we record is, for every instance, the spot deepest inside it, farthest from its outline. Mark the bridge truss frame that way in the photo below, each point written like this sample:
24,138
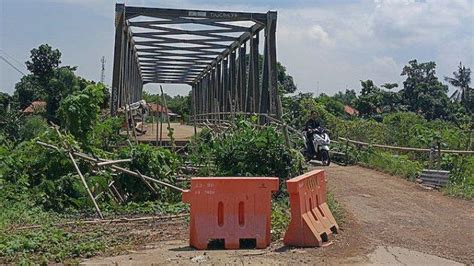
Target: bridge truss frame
150,48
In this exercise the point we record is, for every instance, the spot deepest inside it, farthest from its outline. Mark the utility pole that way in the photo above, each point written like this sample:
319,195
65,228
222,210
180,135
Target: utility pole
102,72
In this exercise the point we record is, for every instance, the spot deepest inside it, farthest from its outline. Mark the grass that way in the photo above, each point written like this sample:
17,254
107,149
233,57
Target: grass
397,165
459,190
50,243
461,183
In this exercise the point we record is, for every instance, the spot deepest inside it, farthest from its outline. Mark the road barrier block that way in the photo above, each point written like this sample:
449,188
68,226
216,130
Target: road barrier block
232,209
311,220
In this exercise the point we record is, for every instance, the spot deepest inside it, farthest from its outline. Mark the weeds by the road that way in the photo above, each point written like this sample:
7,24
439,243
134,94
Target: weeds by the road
398,165
280,217
53,243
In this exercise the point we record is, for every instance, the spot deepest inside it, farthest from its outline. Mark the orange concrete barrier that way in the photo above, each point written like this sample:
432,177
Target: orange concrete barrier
311,220
232,209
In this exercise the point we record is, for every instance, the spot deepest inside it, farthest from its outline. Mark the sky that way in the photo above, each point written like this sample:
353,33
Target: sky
327,46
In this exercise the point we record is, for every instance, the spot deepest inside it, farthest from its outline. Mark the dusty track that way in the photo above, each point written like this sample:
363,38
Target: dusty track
394,212
388,221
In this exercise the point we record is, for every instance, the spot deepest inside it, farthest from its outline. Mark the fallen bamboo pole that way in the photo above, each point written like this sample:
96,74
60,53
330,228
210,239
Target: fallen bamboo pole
81,176
114,162
121,169
403,148
106,221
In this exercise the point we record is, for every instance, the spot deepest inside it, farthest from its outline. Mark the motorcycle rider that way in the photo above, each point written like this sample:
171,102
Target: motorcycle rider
313,123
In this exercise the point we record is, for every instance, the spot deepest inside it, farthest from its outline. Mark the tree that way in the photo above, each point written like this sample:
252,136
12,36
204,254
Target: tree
285,81
390,86
62,83
43,62
331,104
422,92
286,84
370,100
26,91
5,101
390,100
48,81
462,80
348,97
79,111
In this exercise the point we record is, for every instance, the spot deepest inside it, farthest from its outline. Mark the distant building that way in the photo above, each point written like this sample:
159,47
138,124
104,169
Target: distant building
156,109
35,107
350,110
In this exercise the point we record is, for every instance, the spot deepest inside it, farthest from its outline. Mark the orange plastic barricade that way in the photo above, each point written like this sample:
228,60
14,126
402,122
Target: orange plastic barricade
311,220
232,209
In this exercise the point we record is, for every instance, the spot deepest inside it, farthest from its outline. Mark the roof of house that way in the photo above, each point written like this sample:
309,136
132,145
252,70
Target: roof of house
154,108
35,107
350,110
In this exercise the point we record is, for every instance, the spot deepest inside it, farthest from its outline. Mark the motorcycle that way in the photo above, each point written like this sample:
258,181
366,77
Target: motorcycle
320,147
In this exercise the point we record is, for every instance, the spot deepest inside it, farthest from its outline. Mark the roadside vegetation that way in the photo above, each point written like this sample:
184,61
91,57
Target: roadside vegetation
41,189
421,114
42,192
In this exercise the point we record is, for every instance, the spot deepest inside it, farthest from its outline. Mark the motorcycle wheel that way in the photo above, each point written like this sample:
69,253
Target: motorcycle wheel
325,158
307,156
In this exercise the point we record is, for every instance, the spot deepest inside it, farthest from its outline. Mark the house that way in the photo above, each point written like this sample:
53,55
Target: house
350,110
35,107
156,109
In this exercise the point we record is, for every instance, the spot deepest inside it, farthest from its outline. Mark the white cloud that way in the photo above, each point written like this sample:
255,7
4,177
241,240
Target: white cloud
340,43
317,33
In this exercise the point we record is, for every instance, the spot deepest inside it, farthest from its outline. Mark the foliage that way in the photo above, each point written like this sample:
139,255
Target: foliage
63,83
5,101
463,94
248,151
47,177
43,61
26,91
285,82
422,92
48,81
406,129
158,163
80,111
178,104
10,124
32,126
348,97
398,165
332,105
461,178
280,217
370,99
106,132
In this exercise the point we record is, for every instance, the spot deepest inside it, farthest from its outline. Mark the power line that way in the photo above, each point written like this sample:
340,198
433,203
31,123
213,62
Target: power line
10,64
12,58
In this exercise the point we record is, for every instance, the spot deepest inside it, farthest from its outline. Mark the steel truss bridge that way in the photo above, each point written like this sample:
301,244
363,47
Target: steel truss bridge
215,52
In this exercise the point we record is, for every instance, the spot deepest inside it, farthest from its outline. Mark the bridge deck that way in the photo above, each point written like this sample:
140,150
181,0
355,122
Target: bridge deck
182,133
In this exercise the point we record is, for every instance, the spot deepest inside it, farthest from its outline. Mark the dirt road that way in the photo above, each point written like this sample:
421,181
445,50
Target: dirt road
394,212
388,221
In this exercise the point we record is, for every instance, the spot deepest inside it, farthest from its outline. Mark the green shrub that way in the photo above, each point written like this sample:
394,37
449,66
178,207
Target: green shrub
158,163
398,165
32,127
106,132
47,176
79,112
247,151
461,183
